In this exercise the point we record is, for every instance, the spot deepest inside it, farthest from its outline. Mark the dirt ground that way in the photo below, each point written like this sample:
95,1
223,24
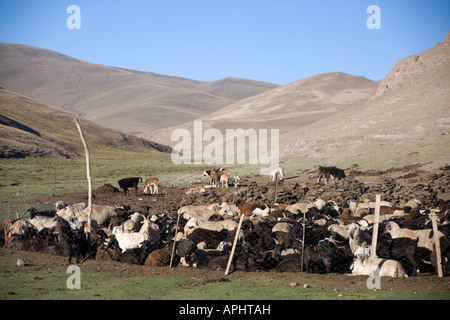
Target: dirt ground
396,185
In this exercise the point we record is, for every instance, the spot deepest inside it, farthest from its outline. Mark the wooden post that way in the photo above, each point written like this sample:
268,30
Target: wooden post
234,244
303,242
89,177
437,244
375,226
174,238
276,189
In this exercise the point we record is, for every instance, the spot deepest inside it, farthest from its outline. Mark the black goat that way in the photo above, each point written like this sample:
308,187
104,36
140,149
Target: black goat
128,183
400,249
78,246
320,255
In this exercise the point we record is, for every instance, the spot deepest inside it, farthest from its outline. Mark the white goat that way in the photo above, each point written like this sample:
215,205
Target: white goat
129,240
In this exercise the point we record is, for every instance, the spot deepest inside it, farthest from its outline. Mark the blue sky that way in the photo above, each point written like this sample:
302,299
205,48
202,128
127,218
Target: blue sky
274,41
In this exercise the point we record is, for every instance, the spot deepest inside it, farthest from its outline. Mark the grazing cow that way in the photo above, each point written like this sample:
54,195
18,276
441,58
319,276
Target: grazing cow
151,185
274,171
330,172
128,183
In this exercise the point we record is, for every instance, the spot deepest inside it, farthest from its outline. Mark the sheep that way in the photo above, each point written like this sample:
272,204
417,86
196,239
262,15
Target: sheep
101,214
151,184
128,183
425,237
209,237
200,212
129,240
152,230
303,207
159,257
228,209
218,225
276,170
132,224
364,264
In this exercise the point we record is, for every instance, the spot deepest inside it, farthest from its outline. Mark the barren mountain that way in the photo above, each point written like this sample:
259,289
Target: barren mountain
286,108
408,121
127,100
31,128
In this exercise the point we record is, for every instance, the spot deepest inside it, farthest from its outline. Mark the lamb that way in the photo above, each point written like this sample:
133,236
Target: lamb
277,170
129,240
128,183
364,264
224,179
151,184
193,190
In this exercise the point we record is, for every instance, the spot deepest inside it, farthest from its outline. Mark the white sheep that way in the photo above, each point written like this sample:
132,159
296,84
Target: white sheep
129,240
303,207
218,225
132,224
200,212
228,209
366,265
426,240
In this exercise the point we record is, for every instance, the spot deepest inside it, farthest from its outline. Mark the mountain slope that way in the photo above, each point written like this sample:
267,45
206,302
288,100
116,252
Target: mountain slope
286,108
31,128
408,120
127,100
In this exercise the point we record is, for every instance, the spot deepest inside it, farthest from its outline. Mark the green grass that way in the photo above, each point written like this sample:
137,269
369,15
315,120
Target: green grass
50,284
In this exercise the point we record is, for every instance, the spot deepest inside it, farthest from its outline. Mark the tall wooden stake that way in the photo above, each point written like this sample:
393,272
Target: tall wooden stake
89,178
437,244
236,237
276,189
175,237
375,226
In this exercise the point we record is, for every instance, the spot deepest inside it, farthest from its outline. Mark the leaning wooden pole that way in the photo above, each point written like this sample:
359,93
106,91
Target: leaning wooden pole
236,237
175,237
89,177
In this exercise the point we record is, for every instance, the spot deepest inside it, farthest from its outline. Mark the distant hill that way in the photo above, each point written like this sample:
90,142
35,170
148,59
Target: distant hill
286,108
32,128
127,100
407,121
